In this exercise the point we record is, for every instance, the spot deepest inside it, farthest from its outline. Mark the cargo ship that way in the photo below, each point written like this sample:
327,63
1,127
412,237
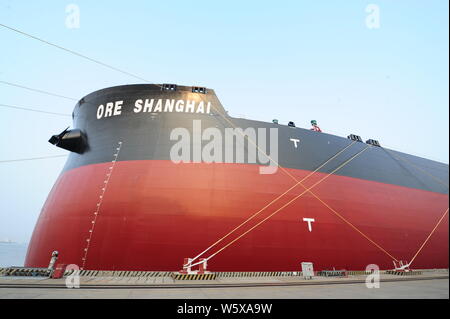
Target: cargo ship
160,173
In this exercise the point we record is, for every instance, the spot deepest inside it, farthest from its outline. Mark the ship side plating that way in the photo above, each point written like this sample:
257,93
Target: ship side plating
149,212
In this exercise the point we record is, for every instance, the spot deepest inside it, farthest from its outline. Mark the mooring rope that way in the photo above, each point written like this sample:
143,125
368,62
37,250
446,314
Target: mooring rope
285,171
285,205
429,236
273,201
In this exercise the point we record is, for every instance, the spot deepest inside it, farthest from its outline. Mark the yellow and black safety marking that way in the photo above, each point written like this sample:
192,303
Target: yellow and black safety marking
403,273
119,273
89,273
332,273
258,274
358,272
20,271
194,276
68,272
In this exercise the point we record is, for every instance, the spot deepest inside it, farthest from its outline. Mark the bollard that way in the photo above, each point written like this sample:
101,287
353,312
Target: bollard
202,266
186,266
53,260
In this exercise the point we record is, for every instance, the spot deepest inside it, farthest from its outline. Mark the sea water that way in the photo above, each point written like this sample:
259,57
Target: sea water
12,254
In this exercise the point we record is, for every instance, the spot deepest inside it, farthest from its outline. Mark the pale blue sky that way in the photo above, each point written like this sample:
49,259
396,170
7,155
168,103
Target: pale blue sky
290,60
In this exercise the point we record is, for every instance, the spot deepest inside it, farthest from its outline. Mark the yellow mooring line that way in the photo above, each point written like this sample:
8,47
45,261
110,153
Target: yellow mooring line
273,201
429,236
297,182
298,196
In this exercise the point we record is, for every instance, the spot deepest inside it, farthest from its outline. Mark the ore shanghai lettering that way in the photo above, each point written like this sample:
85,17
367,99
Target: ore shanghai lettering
155,106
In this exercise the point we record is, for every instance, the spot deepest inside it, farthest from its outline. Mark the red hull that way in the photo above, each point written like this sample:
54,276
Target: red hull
155,213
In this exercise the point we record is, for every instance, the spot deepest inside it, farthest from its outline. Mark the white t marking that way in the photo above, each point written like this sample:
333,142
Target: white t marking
309,221
295,140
